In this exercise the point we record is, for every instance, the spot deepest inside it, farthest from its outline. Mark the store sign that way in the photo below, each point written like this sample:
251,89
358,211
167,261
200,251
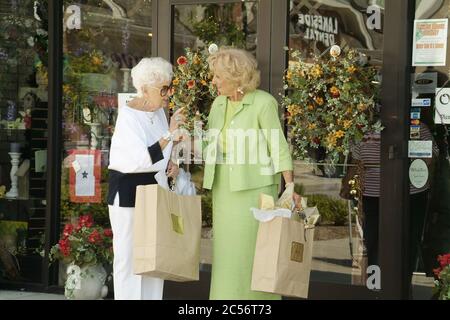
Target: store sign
374,17
73,19
424,83
319,28
421,103
420,149
430,42
442,111
418,173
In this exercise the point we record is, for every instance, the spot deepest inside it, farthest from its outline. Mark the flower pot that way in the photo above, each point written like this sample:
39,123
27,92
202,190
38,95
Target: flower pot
98,82
85,283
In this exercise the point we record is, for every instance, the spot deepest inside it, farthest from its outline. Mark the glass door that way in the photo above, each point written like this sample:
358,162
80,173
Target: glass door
332,117
23,139
102,42
429,240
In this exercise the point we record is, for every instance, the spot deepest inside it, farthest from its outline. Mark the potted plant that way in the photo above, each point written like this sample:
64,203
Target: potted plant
86,248
441,288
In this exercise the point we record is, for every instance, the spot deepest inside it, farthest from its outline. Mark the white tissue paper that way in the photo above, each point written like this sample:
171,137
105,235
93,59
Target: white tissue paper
284,208
183,184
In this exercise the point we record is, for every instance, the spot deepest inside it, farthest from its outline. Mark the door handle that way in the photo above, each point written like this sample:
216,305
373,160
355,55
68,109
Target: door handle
392,152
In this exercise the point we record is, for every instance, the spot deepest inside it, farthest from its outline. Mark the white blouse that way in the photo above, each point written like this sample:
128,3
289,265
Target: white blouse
134,132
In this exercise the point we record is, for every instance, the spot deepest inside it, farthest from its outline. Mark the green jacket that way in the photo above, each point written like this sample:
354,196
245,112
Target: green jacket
260,147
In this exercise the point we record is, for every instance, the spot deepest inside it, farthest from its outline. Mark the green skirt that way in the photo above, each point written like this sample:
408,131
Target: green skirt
234,241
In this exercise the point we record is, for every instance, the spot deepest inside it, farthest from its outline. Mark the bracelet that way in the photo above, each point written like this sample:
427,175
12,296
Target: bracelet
168,136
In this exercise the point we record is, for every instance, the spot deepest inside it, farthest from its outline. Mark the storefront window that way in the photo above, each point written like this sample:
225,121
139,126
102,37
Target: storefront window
103,41
346,238
227,24
195,27
23,138
429,171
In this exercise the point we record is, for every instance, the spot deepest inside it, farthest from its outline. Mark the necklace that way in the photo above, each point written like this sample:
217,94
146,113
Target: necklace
151,115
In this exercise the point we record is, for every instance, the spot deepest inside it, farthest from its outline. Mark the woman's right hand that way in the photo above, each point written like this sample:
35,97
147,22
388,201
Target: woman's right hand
177,119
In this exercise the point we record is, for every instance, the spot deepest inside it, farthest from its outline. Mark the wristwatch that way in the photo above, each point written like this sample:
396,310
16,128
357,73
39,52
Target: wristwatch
168,136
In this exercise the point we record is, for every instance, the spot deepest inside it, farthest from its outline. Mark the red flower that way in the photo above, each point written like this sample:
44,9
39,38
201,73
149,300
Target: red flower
68,230
86,221
108,233
95,237
437,272
182,60
316,140
64,246
444,260
191,84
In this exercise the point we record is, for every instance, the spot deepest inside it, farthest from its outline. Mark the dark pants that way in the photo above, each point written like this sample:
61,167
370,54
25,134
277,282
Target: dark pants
418,208
370,227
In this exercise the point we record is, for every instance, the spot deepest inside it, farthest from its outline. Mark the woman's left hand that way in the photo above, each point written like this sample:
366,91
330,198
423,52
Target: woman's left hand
298,201
172,170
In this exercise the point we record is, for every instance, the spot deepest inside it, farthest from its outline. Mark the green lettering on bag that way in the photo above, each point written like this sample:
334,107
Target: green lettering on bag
177,224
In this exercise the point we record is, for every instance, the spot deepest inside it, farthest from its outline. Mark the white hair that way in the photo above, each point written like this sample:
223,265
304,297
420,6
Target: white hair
151,71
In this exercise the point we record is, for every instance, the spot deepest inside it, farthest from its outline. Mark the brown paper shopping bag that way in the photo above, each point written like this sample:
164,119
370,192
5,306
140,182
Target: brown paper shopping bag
283,255
167,231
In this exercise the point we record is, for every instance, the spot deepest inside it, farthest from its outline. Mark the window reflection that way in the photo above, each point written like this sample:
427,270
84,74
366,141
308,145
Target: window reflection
230,24
103,41
23,138
340,248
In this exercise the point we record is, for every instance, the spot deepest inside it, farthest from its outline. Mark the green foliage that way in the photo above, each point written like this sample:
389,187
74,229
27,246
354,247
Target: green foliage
84,243
331,210
442,278
193,89
207,208
299,189
331,102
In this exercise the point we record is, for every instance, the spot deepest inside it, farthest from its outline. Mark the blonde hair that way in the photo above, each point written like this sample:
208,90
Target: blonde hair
237,66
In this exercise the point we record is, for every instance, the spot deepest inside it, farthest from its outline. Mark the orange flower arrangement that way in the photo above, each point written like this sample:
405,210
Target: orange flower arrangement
192,87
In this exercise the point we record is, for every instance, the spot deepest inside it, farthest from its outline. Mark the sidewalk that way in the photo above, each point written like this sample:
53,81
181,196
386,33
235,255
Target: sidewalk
25,295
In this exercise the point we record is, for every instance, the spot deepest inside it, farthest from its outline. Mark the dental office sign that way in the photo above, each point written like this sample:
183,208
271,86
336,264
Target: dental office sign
430,42
319,28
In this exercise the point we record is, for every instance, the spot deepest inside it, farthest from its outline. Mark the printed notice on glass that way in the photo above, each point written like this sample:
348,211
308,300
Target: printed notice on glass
418,173
442,110
420,149
430,42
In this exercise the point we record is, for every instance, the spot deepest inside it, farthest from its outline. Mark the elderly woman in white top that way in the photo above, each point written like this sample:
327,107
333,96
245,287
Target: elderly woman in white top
140,155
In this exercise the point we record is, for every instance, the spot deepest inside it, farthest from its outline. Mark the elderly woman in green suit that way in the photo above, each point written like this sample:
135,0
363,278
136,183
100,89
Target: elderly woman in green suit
245,155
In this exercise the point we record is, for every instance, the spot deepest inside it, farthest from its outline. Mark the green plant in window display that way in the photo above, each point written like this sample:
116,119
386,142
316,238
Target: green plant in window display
442,278
209,30
25,26
84,72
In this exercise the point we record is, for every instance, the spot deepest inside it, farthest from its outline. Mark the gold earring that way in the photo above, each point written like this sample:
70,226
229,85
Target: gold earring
240,90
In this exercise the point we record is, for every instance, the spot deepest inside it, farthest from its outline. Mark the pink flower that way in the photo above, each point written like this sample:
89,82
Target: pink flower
68,230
